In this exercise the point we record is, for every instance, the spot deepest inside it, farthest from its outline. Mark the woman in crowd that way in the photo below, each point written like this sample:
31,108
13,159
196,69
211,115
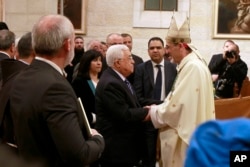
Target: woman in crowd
85,82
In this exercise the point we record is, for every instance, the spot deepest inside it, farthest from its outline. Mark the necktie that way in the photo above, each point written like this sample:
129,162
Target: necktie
129,86
158,83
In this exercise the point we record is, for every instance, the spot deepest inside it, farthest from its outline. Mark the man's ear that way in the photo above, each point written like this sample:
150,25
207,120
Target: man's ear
67,44
13,49
117,64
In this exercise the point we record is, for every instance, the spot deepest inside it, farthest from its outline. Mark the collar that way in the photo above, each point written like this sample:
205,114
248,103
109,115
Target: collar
161,63
52,64
5,53
120,75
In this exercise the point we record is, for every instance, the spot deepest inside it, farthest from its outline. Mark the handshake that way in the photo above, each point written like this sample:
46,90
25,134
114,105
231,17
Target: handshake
148,118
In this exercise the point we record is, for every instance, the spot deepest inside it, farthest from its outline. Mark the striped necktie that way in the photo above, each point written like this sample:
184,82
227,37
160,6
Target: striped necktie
129,86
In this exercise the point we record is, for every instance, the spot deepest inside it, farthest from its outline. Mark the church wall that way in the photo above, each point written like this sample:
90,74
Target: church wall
107,16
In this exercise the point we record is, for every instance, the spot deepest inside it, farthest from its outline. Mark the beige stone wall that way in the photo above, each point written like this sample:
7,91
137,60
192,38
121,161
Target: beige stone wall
106,16
20,15
1,10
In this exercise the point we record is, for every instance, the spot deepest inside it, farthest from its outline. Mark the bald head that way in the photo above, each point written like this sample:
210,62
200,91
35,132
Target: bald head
50,32
114,39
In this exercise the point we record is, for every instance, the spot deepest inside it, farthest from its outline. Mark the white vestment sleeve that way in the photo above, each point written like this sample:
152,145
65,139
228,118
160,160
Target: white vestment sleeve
157,122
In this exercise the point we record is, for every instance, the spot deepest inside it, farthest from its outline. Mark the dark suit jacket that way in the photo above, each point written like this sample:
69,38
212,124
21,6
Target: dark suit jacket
119,119
46,119
138,60
10,68
83,90
104,64
2,57
144,81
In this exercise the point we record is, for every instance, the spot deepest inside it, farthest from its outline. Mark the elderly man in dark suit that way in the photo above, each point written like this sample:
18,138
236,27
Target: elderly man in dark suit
145,84
7,47
119,115
47,123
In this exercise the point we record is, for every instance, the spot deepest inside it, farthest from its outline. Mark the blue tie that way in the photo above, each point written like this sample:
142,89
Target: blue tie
158,84
129,86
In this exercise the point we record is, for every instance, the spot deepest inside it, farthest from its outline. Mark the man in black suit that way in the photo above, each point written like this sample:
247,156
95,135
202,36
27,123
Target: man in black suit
128,41
144,84
24,54
10,68
47,123
7,47
119,115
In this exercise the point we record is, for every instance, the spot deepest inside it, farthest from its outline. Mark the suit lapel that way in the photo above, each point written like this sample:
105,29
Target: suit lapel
132,96
150,71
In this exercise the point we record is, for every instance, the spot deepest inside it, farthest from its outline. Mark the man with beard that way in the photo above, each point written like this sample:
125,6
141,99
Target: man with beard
79,50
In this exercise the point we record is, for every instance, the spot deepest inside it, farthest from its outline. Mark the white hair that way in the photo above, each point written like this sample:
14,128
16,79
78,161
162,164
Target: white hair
115,52
90,43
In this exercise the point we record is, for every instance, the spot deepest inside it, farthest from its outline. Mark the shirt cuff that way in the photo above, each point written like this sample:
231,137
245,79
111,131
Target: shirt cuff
94,118
157,122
